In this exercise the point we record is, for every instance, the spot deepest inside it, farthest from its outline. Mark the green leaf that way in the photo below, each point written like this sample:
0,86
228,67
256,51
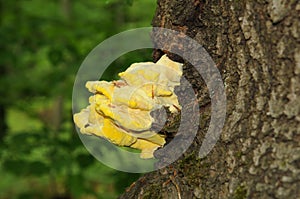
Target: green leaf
85,160
37,168
76,185
15,166
129,2
24,167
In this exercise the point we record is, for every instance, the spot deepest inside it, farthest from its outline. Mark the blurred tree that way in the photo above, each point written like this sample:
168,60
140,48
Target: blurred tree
3,125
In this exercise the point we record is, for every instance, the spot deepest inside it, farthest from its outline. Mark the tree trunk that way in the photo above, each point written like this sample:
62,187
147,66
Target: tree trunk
3,106
256,47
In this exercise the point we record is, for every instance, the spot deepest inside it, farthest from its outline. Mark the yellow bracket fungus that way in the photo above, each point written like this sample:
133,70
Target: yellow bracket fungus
119,111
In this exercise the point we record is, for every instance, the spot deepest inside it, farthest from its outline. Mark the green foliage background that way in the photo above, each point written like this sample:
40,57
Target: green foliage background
42,46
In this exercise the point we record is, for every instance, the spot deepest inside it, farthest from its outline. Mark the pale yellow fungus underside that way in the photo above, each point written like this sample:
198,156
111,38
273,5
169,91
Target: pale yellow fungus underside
119,111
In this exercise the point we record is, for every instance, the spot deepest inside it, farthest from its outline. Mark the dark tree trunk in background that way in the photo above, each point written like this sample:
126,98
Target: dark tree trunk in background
256,46
3,125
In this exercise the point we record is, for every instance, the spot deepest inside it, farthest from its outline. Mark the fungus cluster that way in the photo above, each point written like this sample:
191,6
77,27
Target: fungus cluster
119,111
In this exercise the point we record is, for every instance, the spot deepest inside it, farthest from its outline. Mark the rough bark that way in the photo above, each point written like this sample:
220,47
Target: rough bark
256,46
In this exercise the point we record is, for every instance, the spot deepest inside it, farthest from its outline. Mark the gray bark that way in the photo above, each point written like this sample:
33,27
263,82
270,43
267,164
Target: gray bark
256,46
